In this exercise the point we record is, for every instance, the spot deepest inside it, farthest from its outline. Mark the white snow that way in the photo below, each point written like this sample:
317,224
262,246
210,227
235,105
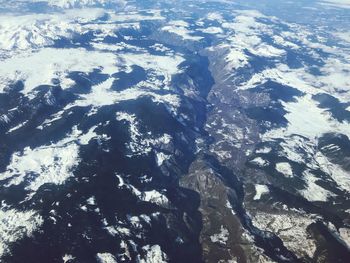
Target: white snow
266,50
285,169
281,41
33,31
333,80
331,148
297,148
121,180
162,65
15,225
221,154
260,189
151,196
291,228
91,200
121,46
221,237
154,254
134,16
310,123
260,162
211,30
215,16
160,47
298,78
155,197
313,192
48,122
125,255
53,163
102,95
264,150
106,258
17,127
339,175
300,140
141,144
118,231
235,58
345,235
179,28
67,258
166,66
244,37
161,158
5,118
49,164
84,139
39,68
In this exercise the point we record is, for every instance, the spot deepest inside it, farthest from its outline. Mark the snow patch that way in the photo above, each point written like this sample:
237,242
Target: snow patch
214,16
311,123
39,68
51,163
345,235
260,189
155,197
313,192
161,158
211,30
67,258
15,225
264,150
106,258
48,164
154,254
285,169
221,237
291,228
339,175
179,28
260,162
141,144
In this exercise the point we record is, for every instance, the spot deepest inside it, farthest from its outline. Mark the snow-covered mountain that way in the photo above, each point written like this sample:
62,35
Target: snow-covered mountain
163,131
